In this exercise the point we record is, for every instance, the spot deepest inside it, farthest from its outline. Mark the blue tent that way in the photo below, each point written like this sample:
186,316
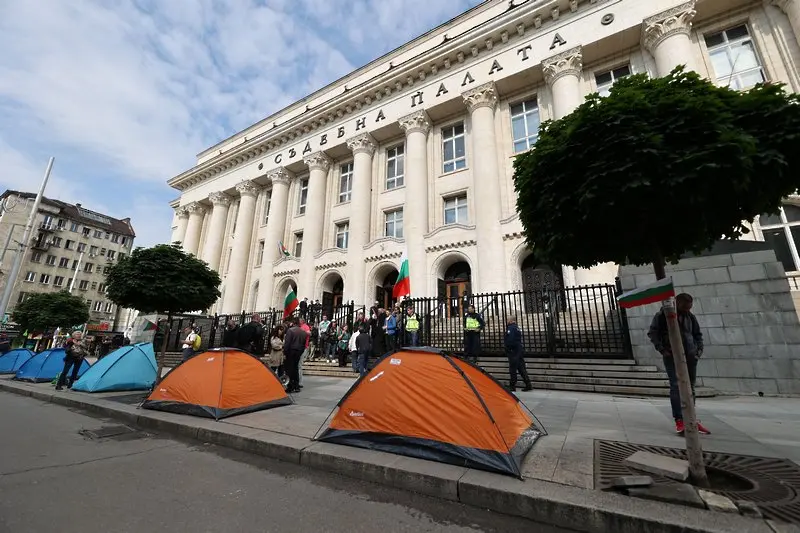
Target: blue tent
128,368
11,361
45,366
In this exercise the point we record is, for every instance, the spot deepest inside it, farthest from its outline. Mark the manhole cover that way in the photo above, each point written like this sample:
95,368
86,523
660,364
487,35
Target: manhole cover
107,431
772,484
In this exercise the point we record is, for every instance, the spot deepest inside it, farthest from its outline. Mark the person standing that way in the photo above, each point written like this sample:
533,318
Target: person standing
294,343
363,349
379,333
324,337
473,326
342,343
250,337
391,331
516,357
276,356
76,350
353,348
229,334
187,349
305,327
304,308
411,327
692,339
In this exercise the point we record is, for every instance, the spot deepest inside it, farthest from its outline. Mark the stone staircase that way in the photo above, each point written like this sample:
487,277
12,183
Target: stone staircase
608,376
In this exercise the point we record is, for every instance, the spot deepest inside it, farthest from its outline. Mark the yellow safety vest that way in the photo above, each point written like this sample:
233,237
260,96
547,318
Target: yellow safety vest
472,324
412,324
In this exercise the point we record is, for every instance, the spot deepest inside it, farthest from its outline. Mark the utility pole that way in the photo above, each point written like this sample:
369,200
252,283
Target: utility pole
23,246
75,274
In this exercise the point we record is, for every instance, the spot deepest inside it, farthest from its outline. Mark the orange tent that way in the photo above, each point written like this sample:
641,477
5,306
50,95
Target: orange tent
216,384
423,403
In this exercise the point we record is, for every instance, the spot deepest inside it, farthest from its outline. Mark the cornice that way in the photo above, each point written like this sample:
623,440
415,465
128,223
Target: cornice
328,266
383,257
451,245
286,273
567,63
285,259
436,61
510,219
450,227
382,242
674,21
513,235
481,96
326,251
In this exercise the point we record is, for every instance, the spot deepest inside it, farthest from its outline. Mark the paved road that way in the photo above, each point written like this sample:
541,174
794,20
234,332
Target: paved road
52,478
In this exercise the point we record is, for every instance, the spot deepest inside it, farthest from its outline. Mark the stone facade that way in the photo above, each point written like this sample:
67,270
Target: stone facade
749,321
427,134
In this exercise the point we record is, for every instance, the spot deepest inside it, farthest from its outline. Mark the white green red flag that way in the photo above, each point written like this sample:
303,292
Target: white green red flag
657,292
283,250
402,287
290,303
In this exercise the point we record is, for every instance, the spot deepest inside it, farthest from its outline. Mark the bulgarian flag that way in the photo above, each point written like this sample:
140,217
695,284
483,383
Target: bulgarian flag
284,252
657,292
149,326
290,303
402,287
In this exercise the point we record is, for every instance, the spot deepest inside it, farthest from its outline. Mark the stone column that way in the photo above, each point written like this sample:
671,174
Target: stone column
481,102
415,214
276,227
318,164
792,10
666,36
562,72
191,241
212,250
240,255
363,147
183,222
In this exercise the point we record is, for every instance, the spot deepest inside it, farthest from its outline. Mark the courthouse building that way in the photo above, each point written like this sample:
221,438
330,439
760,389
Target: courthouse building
414,151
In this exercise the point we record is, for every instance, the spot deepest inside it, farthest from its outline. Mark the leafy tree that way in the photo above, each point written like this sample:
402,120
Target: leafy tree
162,279
658,168
51,310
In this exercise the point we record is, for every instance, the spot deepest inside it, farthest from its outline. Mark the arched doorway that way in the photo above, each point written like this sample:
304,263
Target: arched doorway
455,288
281,288
540,282
384,289
332,294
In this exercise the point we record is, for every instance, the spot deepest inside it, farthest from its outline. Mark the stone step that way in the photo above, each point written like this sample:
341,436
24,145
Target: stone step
497,363
330,373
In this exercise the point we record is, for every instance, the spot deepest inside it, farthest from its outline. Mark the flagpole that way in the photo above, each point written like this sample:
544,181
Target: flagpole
75,275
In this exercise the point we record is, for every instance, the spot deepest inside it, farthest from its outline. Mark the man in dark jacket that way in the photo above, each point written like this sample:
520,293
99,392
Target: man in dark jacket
692,346
294,344
363,348
250,337
473,325
516,358
230,333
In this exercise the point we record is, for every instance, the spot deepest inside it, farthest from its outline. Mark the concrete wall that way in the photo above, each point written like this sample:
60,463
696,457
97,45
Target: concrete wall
748,317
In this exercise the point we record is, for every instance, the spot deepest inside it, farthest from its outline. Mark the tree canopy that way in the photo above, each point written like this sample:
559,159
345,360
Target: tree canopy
51,310
658,168
162,279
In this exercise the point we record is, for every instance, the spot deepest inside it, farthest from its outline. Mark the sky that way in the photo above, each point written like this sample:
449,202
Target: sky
125,94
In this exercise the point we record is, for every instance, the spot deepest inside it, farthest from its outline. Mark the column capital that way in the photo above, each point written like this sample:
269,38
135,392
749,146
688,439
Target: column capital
195,208
362,144
567,63
416,121
182,212
219,199
247,188
481,96
782,4
318,161
675,21
280,176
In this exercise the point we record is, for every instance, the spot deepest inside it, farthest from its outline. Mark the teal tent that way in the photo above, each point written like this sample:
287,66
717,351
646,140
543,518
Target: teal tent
45,366
131,367
12,360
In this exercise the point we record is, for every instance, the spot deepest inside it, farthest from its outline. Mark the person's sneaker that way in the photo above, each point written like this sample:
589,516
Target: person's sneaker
702,429
679,427
59,388
528,387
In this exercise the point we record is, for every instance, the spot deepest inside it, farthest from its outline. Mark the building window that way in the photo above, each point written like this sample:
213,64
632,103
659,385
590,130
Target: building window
88,268
74,264
81,247
298,244
83,285
93,250
36,257
342,234
346,183
395,167
86,231
69,282
525,125
98,306
267,205
51,260
68,244
22,297
44,279
455,210
123,241
394,223
303,197
30,276
47,223
260,253
115,238
61,223
734,58
63,262
58,281
111,254
606,79
57,242
782,232
454,151
107,235
101,287
122,256
109,307
98,234
73,227
106,270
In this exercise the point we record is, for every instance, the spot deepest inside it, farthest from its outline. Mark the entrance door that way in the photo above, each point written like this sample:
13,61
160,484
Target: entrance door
540,282
455,298
383,293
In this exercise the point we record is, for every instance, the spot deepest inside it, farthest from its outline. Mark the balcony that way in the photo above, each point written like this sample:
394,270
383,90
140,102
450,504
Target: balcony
45,226
40,244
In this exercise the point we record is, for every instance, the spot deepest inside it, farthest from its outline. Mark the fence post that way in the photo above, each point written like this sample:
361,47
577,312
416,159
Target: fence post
212,335
623,319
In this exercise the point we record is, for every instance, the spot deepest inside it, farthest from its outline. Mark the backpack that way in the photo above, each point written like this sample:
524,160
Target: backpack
197,342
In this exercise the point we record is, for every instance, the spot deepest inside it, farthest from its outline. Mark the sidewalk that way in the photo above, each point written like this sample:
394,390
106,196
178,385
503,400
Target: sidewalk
558,470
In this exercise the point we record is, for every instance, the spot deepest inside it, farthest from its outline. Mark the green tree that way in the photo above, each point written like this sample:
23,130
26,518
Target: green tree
51,310
162,279
659,168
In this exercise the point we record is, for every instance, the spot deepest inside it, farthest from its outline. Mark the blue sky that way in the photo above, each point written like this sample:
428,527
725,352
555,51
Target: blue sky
124,94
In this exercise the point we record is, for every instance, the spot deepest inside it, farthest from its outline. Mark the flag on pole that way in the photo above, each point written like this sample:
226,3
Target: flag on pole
290,303
149,326
657,292
283,250
402,287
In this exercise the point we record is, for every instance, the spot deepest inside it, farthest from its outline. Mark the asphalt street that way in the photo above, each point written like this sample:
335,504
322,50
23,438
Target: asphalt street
56,477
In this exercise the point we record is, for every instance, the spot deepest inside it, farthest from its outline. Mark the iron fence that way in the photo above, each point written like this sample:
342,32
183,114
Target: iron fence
569,322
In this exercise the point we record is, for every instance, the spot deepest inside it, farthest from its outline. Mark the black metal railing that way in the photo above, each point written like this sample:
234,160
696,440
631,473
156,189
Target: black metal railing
573,322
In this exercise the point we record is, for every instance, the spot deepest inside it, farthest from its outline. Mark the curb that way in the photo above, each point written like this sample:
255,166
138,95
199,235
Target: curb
541,501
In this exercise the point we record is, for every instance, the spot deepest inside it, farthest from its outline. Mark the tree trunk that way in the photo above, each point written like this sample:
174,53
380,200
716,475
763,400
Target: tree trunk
162,356
694,450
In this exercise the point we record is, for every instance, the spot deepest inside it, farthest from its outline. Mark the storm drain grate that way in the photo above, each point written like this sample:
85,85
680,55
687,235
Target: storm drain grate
772,484
106,432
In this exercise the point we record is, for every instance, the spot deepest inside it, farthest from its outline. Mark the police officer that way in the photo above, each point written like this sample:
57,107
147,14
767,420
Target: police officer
412,327
473,325
516,358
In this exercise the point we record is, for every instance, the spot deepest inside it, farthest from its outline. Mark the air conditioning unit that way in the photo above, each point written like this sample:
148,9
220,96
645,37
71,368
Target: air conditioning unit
92,255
